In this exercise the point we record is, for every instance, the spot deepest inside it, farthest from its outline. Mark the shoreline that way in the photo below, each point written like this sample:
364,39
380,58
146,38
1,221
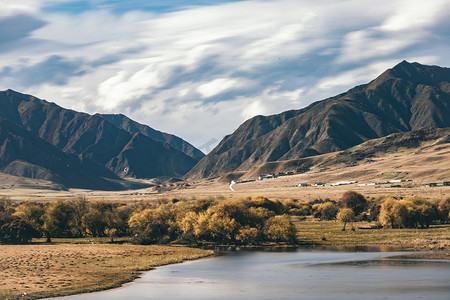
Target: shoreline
49,271
435,255
127,283
136,273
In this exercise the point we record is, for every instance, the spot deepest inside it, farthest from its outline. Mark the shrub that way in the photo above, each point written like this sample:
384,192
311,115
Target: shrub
325,211
280,229
392,213
14,230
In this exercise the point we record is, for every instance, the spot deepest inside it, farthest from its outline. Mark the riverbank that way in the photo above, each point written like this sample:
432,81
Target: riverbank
329,233
74,266
39,271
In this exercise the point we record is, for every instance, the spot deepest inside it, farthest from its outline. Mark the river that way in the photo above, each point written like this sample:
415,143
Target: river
301,274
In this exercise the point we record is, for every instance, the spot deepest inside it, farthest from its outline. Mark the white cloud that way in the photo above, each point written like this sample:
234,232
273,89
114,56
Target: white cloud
218,86
201,71
355,76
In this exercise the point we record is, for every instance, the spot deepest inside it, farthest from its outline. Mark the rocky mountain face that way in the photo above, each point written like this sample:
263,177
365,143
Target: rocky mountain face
407,97
102,147
129,125
25,155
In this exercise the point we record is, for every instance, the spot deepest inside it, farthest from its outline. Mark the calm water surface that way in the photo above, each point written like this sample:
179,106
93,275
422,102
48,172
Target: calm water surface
302,274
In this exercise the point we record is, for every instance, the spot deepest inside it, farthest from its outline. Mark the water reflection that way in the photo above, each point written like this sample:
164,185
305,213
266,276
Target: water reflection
314,273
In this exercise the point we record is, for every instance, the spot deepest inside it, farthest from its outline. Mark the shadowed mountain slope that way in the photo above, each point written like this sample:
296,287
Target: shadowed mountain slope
23,154
407,97
93,139
129,125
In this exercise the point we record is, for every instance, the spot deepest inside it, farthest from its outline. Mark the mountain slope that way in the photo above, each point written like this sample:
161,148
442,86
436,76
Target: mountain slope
25,155
365,153
407,97
129,125
90,137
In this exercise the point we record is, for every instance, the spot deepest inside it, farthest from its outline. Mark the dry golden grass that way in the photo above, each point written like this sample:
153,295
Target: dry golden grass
36,271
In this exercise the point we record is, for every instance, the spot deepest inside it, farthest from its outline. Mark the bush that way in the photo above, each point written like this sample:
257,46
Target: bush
325,211
392,213
410,213
280,229
13,230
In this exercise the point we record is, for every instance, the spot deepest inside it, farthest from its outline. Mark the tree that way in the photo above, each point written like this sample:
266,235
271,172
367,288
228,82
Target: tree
325,211
57,220
32,213
419,212
280,229
392,213
444,210
274,205
355,201
248,235
6,205
80,207
345,215
94,222
14,230
140,219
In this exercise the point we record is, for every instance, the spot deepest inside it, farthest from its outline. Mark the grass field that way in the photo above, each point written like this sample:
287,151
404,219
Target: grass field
437,237
37,271
73,266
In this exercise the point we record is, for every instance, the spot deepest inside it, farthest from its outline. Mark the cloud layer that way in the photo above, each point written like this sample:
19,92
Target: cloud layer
200,71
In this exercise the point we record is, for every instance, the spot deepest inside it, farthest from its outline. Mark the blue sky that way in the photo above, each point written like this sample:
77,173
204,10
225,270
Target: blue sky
198,69
121,6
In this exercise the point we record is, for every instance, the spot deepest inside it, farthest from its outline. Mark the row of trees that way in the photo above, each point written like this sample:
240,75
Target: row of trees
75,218
234,221
413,212
388,211
249,220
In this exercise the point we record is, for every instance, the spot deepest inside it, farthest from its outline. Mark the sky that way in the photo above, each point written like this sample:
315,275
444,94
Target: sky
199,69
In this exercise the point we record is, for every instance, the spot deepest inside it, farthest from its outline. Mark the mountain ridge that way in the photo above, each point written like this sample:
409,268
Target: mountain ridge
99,145
407,97
131,126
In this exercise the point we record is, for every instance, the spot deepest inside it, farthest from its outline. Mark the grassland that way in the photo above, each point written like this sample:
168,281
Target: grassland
437,237
73,266
37,271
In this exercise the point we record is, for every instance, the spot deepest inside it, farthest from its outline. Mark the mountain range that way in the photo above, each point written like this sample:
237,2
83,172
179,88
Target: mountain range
36,134
41,140
407,97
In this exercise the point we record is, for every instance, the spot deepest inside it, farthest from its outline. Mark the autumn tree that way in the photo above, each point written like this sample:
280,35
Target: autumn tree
392,213
345,215
14,230
355,201
57,220
444,210
80,208
6,205
325,211
280,229
32,213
